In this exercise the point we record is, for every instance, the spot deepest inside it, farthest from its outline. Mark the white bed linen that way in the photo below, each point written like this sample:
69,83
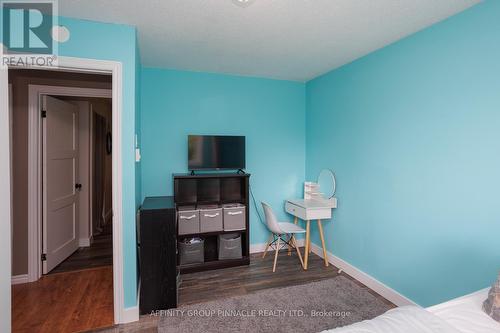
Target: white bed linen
466,314
460,315
406,319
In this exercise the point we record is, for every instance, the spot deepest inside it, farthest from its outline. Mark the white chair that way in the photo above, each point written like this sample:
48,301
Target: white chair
281,232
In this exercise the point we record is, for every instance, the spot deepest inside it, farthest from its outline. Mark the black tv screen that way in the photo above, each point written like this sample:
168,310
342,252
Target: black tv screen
216,152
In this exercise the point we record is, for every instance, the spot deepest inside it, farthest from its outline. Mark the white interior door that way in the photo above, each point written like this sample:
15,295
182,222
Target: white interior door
60,175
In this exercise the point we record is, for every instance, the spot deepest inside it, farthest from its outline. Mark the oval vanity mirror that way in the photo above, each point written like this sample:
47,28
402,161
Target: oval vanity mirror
326,182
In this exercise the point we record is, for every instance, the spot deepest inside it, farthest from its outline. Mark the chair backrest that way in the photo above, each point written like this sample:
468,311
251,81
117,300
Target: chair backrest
271,221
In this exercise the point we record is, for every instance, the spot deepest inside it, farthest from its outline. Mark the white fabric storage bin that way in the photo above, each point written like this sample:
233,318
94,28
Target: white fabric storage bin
229,246
234,218
210,220
188,222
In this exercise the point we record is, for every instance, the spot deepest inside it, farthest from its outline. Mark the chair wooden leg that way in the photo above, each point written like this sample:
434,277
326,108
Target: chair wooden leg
298,251
267,246
276,254
320,227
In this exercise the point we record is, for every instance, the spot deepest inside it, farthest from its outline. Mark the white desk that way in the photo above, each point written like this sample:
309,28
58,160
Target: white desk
308,210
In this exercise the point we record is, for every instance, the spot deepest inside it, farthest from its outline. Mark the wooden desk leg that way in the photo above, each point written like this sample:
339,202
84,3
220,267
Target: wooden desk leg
320,227
308,239
295,220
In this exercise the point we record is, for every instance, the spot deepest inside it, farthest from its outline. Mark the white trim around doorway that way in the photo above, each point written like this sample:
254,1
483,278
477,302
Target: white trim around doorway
5,207
35,93
70,64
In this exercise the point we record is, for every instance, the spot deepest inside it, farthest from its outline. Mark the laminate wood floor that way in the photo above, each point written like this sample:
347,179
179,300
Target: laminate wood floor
210,285
242,280
64,302
100,253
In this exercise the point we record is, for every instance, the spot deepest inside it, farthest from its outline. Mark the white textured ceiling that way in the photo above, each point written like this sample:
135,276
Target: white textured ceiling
283,39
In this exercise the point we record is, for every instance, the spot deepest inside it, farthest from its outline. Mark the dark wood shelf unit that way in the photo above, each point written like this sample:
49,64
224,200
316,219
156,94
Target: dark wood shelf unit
215,264
214,189
208,234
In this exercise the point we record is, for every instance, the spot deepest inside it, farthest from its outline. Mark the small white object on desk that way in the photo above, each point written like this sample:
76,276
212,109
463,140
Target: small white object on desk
315,206
311,190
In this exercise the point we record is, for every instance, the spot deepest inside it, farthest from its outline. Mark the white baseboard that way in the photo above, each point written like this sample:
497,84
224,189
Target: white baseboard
130,315
260,247
366,279
18,279
256,248
84,242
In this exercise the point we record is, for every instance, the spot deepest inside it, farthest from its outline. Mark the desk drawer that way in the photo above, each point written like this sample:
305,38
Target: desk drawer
295,210
312,213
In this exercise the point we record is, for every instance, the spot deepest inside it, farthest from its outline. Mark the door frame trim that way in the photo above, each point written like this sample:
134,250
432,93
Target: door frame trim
5,205
35,176
82,65
11,163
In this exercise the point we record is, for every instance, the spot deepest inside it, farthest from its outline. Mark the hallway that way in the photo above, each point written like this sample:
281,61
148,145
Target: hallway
100,253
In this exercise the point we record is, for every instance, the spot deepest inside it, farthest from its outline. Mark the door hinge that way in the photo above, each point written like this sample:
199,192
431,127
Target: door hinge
44,114
44,257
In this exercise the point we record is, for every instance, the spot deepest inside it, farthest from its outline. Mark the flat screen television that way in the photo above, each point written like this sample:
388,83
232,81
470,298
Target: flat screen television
216,152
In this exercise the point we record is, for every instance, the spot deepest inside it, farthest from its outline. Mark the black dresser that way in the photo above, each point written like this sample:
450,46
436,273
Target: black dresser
157,253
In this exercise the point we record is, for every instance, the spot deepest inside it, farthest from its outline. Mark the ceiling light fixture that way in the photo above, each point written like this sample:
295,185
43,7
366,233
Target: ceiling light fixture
243,3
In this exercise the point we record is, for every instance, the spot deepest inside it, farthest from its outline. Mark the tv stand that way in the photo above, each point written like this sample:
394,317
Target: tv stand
216,189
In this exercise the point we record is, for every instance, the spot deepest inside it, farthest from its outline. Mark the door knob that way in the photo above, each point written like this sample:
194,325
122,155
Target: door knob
78,186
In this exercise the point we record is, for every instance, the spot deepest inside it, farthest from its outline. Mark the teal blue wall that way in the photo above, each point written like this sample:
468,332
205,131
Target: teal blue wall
138,91
413,134
92,40
270,113
116,42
